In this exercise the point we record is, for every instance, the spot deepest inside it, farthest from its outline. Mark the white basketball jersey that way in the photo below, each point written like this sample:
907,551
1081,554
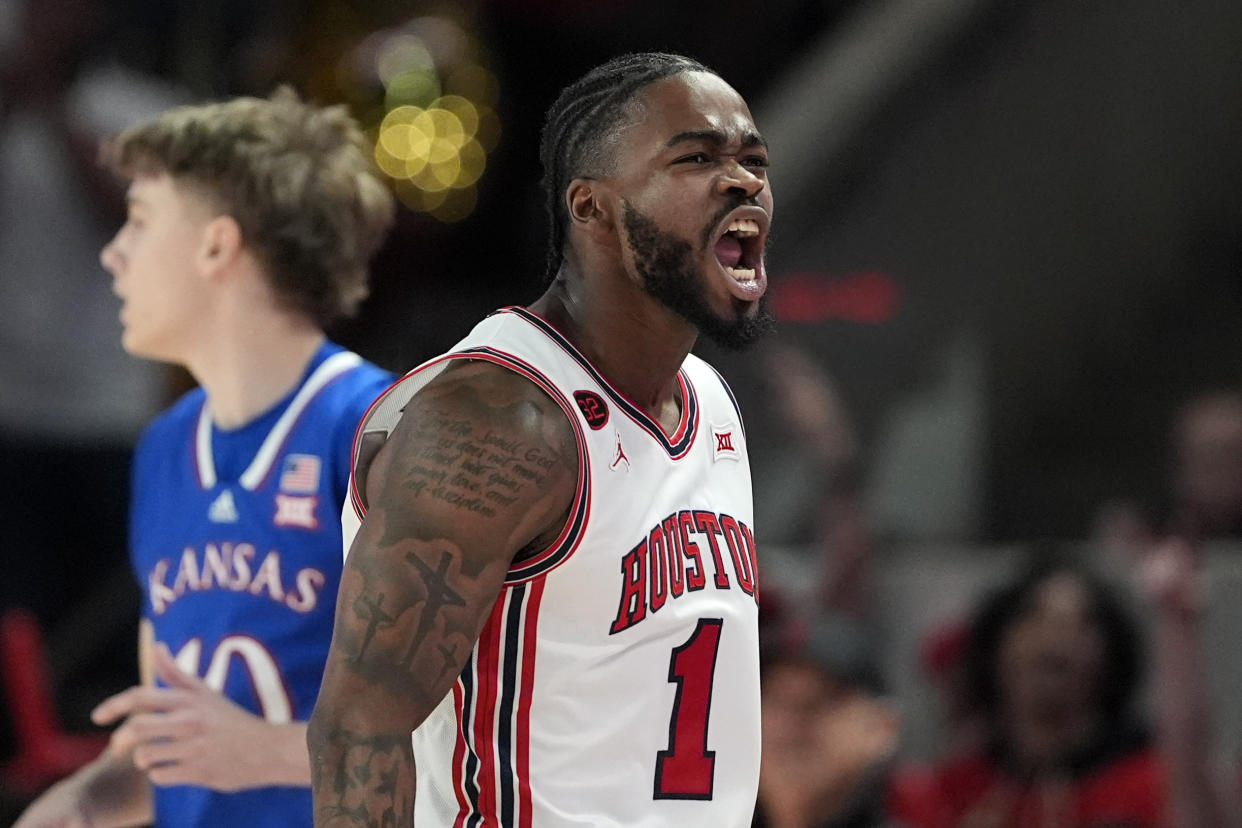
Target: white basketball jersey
616,682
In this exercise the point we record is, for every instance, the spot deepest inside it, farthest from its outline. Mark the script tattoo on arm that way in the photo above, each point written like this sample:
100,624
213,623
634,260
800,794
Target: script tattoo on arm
482,467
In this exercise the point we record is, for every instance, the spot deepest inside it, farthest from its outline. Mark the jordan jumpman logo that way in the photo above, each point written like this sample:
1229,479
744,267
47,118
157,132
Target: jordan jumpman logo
620,458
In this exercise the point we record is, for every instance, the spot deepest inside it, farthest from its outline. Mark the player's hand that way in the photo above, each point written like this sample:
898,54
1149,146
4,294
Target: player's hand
187,733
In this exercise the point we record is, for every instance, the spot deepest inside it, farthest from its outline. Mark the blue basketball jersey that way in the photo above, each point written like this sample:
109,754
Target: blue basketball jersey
236,541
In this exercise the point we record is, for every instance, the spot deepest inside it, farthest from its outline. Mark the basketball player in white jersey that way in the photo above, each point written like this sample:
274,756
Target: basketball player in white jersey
249,229
552,582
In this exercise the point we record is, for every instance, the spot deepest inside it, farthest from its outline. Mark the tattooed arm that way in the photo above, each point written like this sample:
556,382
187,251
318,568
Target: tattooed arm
481,469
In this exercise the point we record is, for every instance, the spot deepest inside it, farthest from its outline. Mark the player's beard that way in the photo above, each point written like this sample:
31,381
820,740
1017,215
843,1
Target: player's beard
666,264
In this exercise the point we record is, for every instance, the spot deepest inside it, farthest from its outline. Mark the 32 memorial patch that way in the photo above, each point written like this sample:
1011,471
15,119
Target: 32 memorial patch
593,407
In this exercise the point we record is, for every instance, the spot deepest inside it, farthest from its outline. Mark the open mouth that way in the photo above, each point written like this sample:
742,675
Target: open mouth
740,249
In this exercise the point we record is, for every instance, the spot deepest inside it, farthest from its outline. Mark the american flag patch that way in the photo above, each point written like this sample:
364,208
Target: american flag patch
300,474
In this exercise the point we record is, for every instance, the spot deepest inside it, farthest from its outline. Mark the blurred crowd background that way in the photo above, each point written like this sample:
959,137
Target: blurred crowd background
1007,267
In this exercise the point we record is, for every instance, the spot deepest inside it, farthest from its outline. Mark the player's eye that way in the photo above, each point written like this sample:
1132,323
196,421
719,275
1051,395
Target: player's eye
755,161
694,158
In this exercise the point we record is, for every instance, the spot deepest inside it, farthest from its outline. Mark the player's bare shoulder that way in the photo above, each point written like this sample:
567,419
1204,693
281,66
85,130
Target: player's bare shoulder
479,444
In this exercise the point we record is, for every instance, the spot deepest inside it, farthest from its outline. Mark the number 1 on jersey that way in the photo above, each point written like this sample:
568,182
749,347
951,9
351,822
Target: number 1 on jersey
685,770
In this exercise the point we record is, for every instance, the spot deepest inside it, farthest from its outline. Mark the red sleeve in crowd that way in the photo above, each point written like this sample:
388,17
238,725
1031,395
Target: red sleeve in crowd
1126,793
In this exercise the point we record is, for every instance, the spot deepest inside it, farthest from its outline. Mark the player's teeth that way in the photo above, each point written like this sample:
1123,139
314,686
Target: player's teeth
744,227
742,274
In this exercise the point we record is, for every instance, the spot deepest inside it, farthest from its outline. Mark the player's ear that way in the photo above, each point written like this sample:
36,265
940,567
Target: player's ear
587,205
221,243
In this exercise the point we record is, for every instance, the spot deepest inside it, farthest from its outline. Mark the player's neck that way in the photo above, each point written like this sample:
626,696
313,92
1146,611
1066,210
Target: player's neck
250,367
634,341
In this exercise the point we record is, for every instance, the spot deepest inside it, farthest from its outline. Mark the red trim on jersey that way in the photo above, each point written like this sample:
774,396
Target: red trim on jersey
459,758
749,535
680,434
489,670
463,783
480,737
530,638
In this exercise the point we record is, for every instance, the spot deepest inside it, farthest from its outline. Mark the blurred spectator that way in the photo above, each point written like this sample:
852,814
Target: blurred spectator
1202,496
71,402
1202,792
830,738
1206,478
1053,664
942,665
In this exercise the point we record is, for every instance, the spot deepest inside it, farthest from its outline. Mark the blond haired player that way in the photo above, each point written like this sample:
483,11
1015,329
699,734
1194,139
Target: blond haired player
250,227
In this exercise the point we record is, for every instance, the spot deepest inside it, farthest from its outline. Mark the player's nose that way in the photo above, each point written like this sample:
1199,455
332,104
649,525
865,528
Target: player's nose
740,178
110,257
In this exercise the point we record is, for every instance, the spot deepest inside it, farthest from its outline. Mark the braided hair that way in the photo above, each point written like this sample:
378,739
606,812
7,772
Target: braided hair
578,125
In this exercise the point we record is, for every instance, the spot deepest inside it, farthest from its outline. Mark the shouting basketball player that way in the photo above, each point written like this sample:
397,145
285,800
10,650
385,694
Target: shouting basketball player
250,227
553,584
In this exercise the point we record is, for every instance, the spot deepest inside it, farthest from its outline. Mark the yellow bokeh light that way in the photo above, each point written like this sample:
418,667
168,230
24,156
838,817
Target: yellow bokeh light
400,115
444,129
389,164
405,142
473,160
434,140
443,151
465,110
447,171
430,178
415,87
402,149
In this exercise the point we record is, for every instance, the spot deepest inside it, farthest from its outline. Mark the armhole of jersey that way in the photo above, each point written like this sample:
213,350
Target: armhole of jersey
571,534
355,497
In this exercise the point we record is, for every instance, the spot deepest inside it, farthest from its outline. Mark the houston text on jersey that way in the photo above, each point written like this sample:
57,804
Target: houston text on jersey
669,563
